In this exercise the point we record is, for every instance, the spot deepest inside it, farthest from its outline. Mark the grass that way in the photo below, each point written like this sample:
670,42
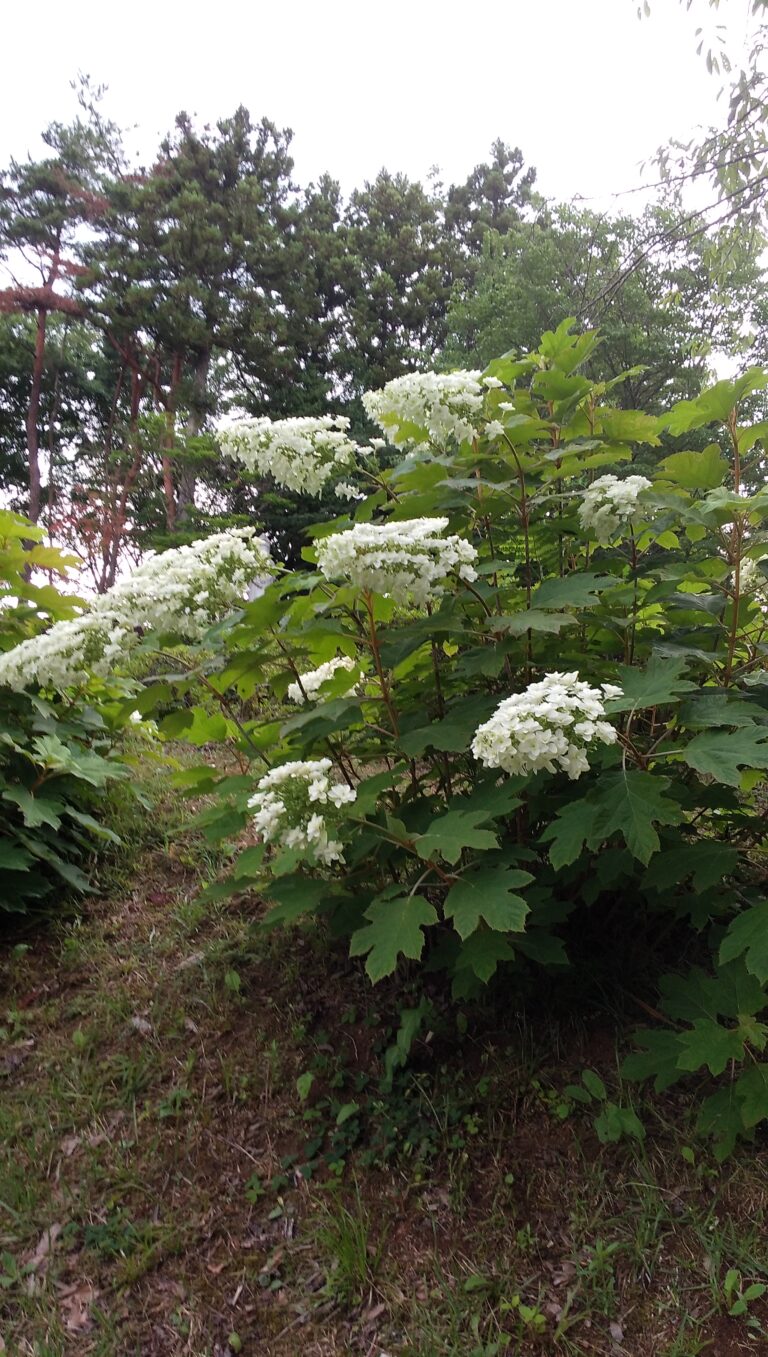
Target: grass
164,1188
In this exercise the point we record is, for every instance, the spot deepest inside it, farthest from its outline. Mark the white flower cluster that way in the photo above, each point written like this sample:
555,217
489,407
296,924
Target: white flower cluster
297,806
406,560
307,689
300,454
183,591
610,502
550,725
442,407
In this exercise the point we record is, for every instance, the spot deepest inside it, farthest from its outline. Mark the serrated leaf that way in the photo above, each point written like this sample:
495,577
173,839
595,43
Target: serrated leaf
653,686
720,1117
708,708
482,952
707,861
715,404
453,732
748,936
708,1043
631,803
657,1059
731,992
517,624
695,470
722,754
569,832
487,893
36,810
295,896
542,947
395,929
249,862
13,858
450,834
628,426
752,1093
371,788
196,726
575,591
494,799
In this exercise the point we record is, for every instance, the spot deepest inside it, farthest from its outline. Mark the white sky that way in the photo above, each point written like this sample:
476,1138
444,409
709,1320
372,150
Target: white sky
584,87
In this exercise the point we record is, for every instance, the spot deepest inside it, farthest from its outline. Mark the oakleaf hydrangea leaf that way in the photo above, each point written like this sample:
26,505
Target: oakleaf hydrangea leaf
748,934
723,754
654,686
487,893
631,803
395,929
708,1043
451,833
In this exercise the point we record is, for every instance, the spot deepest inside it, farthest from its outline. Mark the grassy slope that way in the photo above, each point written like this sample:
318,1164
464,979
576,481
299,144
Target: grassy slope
152,1194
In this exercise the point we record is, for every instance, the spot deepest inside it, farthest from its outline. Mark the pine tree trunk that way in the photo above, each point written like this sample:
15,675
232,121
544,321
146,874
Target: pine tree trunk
197,410
33,418
170,440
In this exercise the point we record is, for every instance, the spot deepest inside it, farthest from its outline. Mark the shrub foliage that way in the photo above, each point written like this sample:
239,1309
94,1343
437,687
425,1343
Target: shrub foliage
553,729
57,752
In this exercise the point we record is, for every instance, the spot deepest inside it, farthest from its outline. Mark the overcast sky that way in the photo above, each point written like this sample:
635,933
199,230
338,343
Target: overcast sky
584,87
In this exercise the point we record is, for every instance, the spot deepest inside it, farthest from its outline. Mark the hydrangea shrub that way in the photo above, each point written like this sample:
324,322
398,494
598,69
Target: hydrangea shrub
563,725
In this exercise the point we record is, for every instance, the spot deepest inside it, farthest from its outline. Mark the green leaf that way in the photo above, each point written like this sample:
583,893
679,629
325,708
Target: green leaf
452,833
295,895
36,810
411,1020
630,803
494,799
371,788
708,1043
542,947
575,591
654,686
344,1113
594,1084
658,1058
70,873
454,732
304,1084
723,754
752,1093
708,708
714,405
628,426
517,624
707,861
196,726
249,862
482,952
568,832
748,936
487,893
732,992
395,928
720,1117
200,779
615,1122
88,822
13,858
695,470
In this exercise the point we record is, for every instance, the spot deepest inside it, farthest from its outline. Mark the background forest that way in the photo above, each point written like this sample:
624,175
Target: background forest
141,305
